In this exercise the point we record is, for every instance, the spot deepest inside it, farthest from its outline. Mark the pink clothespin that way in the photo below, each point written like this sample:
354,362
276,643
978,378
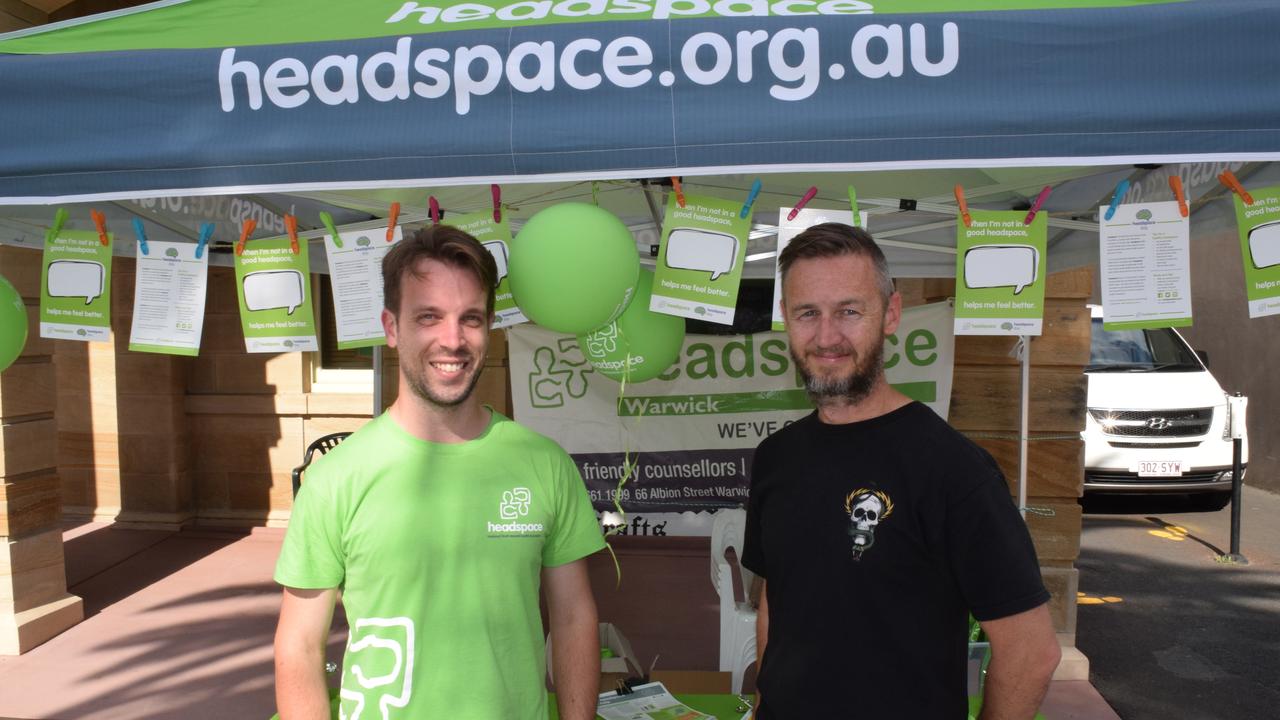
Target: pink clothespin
804,200
435,210
1035,206
496,191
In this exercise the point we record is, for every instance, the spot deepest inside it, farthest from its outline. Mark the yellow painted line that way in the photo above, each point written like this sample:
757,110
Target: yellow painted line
1175,533
1083,598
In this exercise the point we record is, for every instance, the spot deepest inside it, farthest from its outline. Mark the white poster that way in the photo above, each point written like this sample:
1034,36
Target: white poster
1145,258
168,299
788,229
355,273
691,433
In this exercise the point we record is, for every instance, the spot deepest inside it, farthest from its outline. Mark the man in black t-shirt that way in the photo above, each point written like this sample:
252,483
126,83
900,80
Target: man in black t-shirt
878,528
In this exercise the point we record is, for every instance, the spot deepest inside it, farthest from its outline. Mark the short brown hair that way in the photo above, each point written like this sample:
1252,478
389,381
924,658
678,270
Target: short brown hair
446,244
835,240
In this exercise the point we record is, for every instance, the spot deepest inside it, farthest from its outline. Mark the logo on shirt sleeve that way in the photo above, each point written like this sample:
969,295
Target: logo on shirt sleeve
866,509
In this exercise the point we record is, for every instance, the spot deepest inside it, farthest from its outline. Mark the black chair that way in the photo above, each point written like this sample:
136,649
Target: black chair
322,446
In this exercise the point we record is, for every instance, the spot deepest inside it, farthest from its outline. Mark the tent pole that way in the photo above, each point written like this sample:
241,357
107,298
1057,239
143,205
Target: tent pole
1024,352
377,380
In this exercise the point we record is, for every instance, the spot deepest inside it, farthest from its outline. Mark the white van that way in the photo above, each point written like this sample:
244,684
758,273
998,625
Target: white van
1158,421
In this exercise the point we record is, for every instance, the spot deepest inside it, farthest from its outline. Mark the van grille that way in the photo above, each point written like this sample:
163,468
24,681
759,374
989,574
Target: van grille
1185,422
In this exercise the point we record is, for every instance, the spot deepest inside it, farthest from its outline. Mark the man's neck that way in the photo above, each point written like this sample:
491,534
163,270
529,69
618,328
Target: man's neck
426,421
882,400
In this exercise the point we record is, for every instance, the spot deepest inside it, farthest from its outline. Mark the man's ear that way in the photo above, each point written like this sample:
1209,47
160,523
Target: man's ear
389,327
892,314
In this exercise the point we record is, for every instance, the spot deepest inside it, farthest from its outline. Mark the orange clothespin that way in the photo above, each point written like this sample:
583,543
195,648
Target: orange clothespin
100,221
391,224
496,192
675,185
1035,206
435,210
245,231
291,225
1228,178
1175,184
964,206
804,200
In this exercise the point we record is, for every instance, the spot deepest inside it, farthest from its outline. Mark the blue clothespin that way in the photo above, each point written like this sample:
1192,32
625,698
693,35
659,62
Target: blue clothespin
1121,189
59,219
206,232
751,199
141,232
327,219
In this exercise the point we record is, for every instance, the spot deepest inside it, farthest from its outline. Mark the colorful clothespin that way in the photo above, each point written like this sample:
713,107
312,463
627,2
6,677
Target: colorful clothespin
751,199
804,200
100,221
435,210
246,230
327,219
391,221
141,232
853,205
1228,178
1035,206
1121,189
1175,184
675,185
206,232
291,227
496,192
59,219
964,206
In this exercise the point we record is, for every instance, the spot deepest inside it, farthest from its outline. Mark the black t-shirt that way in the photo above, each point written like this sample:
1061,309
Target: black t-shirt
877,538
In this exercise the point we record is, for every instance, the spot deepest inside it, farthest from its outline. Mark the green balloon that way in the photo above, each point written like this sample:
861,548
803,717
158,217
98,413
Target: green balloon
646,341
573,268
13,324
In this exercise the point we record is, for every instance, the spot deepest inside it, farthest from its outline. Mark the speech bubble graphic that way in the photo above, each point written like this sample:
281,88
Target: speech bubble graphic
379,661
76,278
498,249
990,266
691,249
272,290
1264,245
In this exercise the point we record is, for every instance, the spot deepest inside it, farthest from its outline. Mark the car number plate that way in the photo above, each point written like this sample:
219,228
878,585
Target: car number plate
1158,468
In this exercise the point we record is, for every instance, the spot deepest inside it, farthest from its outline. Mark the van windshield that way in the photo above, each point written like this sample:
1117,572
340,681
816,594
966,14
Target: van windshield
1159,350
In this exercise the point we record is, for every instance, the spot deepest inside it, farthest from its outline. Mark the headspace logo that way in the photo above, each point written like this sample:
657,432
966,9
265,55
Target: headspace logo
418,68
515,504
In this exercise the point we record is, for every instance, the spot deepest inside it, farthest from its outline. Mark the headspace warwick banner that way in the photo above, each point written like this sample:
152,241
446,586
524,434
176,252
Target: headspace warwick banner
692,432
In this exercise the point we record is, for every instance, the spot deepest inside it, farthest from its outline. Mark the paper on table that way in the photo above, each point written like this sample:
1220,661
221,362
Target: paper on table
646,702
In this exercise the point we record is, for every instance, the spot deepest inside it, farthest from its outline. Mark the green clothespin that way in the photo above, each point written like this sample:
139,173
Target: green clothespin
853,203
59,219
327,219
595,193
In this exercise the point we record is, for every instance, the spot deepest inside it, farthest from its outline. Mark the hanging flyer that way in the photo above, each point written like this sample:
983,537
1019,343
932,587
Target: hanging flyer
272,283
355,273
788,229
168,299
1000,273
700,259
75,297
1144,252
496,238
1259,226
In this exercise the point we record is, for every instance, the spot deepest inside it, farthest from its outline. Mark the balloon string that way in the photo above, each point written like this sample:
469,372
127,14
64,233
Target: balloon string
628,467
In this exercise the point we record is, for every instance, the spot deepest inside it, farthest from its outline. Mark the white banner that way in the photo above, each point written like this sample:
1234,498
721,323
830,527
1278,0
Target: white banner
691,433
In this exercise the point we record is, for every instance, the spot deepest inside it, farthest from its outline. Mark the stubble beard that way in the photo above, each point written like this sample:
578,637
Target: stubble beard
849,389
418,383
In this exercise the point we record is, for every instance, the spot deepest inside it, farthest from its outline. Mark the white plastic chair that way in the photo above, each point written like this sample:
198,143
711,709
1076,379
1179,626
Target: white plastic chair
737,619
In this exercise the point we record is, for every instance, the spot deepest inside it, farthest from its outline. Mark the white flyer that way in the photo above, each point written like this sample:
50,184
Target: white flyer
1145,259
355,273
168,299
646,702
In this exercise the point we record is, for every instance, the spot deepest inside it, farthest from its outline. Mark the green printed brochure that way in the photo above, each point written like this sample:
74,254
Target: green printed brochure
1000,274
1259,226
75,297
496,238
273,284
700,259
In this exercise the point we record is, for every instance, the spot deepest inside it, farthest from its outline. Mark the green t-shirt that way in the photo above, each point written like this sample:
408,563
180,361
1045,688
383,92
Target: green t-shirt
439,549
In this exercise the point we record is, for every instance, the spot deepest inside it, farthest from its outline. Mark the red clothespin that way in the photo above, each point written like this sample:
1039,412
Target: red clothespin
291,225
1035,206
496,192
675,185
100,221
1228,178
391,224
804,200
245,231
435,210
964,206
1175,184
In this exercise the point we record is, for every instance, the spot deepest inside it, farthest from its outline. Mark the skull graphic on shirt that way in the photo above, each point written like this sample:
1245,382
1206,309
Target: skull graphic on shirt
866,509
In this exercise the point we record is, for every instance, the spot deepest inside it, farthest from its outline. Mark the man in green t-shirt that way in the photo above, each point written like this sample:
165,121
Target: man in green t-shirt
439,521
